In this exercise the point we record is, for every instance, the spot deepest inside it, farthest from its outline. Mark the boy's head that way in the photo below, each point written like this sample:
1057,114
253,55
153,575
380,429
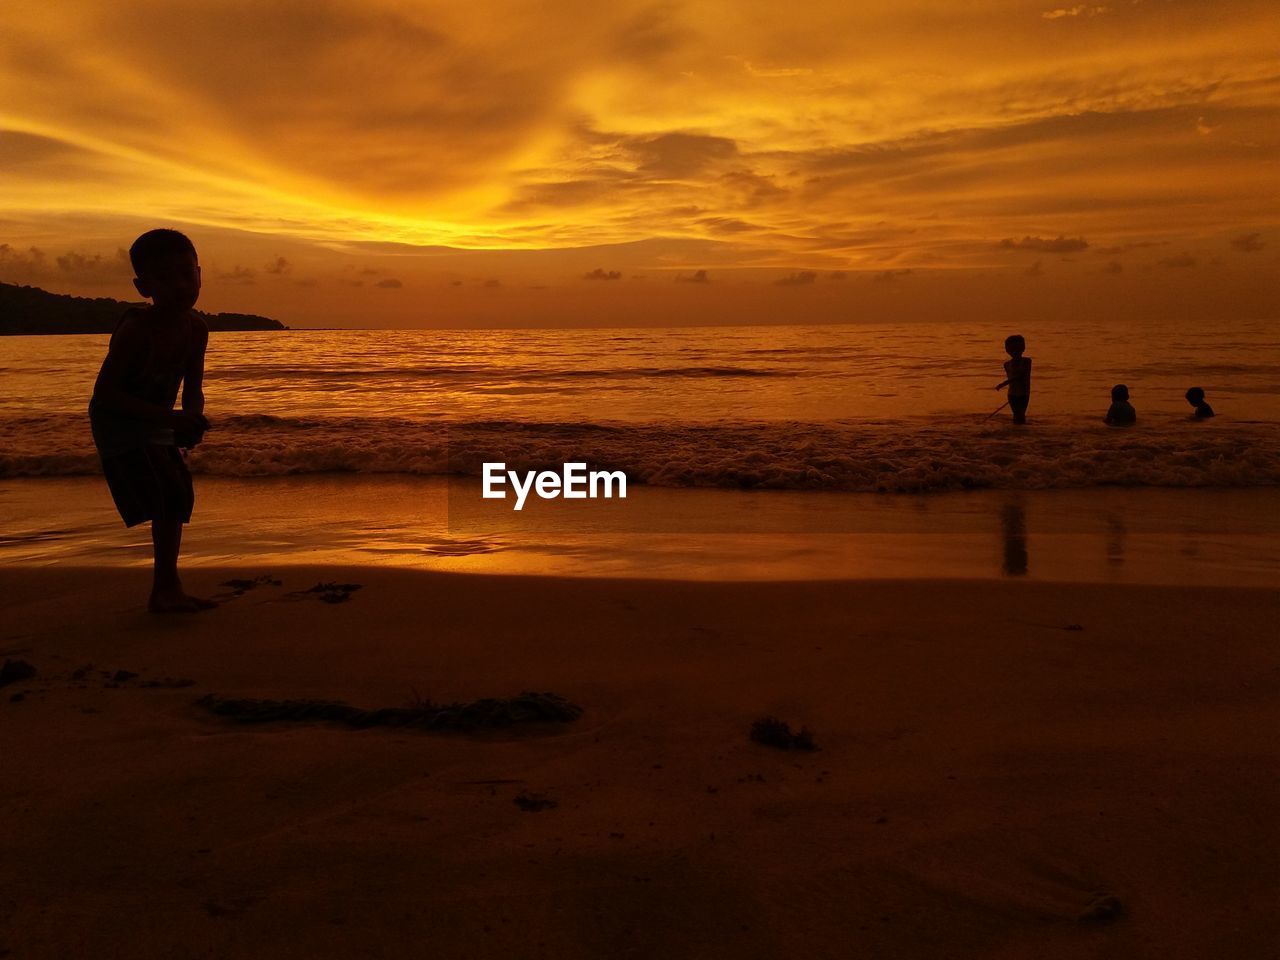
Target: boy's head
1015,346
166,269
1195,396
1119,393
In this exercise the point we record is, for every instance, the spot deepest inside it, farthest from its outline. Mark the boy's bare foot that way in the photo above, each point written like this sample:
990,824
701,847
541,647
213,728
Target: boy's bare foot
175,601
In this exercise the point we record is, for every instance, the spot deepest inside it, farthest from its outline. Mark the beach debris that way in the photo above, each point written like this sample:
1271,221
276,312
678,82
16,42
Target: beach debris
534,802
773,732
330,592
241,585
14,671
491,712
1103,908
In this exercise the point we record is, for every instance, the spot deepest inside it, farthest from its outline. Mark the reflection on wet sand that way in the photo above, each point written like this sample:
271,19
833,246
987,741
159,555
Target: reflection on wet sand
1013,531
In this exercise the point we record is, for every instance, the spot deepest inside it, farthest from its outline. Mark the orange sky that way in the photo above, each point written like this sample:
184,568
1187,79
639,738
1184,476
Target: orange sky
382,163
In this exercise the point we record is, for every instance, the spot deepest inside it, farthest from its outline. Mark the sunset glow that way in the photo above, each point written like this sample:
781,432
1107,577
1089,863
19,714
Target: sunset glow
415,163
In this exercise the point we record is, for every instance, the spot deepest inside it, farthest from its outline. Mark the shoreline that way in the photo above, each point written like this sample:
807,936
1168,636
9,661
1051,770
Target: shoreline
986,771
1210,537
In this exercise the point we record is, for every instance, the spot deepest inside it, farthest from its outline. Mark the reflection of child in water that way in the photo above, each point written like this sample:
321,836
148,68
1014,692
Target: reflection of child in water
1195,397
1017,370
1121,412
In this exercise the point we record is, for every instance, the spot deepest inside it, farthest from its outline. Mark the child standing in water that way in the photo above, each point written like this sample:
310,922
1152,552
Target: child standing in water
153,351
1017,371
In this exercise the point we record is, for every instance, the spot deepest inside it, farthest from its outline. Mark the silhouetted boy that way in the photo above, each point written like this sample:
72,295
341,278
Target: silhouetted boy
1017,370
135,428
1121,412
1195,397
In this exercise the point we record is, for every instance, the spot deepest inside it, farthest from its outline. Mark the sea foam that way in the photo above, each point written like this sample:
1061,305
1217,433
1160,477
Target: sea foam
891,456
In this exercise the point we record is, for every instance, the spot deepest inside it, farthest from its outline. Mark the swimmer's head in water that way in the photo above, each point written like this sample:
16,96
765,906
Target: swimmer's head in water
1119,393
1015,346
166,269
1195,396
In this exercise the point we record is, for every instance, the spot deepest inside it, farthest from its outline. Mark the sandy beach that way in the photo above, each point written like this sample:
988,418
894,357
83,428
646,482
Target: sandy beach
1005,769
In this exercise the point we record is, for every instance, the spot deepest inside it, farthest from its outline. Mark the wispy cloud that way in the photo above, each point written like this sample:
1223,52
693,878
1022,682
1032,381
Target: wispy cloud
1058,244
1079,10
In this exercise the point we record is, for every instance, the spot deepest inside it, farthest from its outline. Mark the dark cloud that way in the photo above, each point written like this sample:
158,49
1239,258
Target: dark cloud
1058,244
648,36
1136,245
753,189
418,112
1182,260
726,225
799,279
677,155
837,275
389,283
238,274
573,193
80,263
31,260
20,148
1248,243
600,274
698,276
33,263
278,266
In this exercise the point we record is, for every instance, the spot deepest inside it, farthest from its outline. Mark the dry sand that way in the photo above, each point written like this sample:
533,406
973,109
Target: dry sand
984,771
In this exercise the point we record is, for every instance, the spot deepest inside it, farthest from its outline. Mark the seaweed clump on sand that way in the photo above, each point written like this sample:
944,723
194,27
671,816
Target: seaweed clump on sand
491,712
773,732
330,592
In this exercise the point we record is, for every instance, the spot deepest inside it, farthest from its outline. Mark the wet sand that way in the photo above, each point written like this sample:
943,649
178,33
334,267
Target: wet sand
1005,769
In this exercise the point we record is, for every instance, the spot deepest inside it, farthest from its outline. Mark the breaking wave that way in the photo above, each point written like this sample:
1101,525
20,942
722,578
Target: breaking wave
891,456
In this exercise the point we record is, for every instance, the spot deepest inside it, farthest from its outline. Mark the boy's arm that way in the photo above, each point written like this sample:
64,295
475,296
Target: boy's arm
193,375
124,352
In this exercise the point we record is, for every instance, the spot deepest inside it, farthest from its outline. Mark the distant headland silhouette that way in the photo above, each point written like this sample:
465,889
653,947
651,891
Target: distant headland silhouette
28,311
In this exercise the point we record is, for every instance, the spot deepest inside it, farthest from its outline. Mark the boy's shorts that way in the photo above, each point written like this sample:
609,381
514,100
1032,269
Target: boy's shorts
149,482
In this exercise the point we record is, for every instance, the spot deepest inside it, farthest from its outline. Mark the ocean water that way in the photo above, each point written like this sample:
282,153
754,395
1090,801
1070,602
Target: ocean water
853,408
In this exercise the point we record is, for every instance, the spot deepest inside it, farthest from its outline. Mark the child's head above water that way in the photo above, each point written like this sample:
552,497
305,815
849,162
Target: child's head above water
1015,346
1119,393
1195,396
166,269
